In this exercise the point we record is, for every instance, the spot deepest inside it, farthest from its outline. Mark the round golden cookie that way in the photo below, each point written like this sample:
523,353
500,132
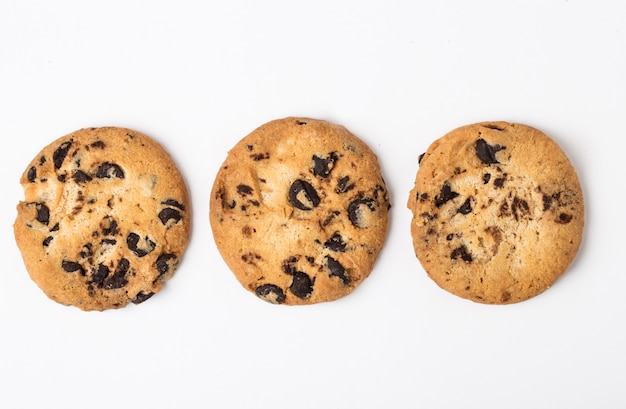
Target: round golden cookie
299,211
105,220
498,212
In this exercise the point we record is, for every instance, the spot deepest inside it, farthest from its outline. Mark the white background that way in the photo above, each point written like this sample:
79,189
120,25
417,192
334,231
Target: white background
197,77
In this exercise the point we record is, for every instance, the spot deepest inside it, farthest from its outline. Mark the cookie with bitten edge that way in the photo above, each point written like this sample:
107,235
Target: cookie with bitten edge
105,220
299,211
498,212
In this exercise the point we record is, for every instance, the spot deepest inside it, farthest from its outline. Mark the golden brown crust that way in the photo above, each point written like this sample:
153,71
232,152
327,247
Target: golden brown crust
299,211
105,220
498,212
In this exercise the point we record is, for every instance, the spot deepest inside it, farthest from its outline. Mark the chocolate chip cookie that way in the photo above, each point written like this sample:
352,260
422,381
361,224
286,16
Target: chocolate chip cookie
105,220
299,211
498,212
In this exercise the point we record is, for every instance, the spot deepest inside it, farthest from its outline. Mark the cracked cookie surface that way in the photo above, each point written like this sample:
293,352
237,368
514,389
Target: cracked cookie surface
299,211
498,212
105,220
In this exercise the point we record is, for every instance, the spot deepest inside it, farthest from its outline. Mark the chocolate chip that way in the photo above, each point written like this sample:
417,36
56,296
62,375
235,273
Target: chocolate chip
244,190
260,156
132,240
547,202
99,275
445,195
173,203
564,218
109,170
449,236
419,158
355,211
111,229
61,178
60,153
71,266
336,243
322,166
165,263
486,178
499,182
301,286
81,177
98,144
462,253
43,213
32,174
55,227
141,297
300,122
47,241
168,214
519,207
344,185
118,279
303,196
337,270
87,250
466,207
270,293
487,153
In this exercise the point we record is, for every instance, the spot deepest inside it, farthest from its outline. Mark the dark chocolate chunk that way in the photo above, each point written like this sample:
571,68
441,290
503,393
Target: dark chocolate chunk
87,250
61,178
547,202
270,293
336,243
47,241
355,209
337,270
111,229
244,190
32,174
141,297
519,207
139,250
322,166
260,156
98,144
445,195
109,170
299,122
462,253
499,182
487,153
60,153
564,218
168,214
486,178
99,275
301,286
449,236
466,207
419,158
118,279
165,263
303,196
344,185
71,266
55,227
43,213
81,177
173,203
